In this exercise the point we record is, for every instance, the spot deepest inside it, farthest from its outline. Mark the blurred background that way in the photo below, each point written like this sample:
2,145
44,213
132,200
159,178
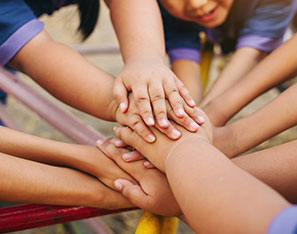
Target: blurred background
62,27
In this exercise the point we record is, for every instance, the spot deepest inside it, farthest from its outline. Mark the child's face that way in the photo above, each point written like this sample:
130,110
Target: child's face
208,13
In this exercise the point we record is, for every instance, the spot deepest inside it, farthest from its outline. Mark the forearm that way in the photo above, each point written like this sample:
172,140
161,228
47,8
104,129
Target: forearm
274,166
219,188
189,73
273,118
138,26
40,183
274,69
243,60
67,76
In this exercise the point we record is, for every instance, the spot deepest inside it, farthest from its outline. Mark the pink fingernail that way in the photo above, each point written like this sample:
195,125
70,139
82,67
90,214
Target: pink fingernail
201,119
192,103
163,123
180,112
127,156
123,106
118,143
151,138
118,185
175,133
147,164
150,121
194,126
99,142
115,128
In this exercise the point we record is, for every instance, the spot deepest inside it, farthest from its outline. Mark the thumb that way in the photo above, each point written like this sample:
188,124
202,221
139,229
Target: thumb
120,95
131,191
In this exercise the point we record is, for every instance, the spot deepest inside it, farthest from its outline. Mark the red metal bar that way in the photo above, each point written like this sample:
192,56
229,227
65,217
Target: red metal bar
27,216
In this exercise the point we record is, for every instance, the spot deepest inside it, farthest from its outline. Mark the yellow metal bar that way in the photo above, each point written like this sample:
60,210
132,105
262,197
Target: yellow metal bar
169,225
149,223
205,62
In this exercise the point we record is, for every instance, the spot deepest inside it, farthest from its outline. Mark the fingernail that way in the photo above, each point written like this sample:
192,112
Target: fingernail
194,126
99,142
175,133
147,164
118,143
123,106
115,128
180,111
150,121
118,185
201,119
164,123
151,138
192,103
127,156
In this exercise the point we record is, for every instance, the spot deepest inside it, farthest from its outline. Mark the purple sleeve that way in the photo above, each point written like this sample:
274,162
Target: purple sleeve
184,53
18,39
262,43
285,222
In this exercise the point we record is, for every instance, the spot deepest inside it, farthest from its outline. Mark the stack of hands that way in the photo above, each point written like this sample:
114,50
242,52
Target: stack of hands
145,140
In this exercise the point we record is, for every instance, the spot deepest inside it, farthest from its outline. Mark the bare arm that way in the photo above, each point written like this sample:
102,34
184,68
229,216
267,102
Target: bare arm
189,73
27,181
138,26
243,60
277,67
81,157
275,166
273,118
67,76
204,182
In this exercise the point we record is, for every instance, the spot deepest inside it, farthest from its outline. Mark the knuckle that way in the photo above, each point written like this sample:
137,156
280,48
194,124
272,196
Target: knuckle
157,97
141,99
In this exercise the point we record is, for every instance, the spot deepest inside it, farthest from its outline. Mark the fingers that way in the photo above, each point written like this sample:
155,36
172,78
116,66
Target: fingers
157,97
184,92
143,104
132,156
129,137
134,193
120,95
136,123
136,169
174,98
187,122
170,132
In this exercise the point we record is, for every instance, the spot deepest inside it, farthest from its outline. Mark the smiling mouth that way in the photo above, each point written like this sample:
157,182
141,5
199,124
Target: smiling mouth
209,16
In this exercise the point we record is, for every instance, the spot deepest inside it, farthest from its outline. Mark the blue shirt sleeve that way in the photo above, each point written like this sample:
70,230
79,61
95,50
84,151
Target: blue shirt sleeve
18,25
284,222
267,24
181,37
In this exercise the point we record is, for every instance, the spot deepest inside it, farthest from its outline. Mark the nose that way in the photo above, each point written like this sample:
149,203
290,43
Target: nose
195,4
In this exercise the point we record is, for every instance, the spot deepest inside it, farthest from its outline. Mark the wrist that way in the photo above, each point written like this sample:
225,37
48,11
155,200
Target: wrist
113,109
179,148
145,57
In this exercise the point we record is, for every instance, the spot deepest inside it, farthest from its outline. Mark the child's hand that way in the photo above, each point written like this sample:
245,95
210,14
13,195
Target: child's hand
157,152
133,119
152,193
94,162
150,82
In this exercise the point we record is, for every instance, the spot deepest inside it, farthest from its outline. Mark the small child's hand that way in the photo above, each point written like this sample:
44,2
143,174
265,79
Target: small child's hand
152,192
157,152
150,82
133,119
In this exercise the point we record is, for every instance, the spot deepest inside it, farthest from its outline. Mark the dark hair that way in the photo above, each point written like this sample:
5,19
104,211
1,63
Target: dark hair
88,12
